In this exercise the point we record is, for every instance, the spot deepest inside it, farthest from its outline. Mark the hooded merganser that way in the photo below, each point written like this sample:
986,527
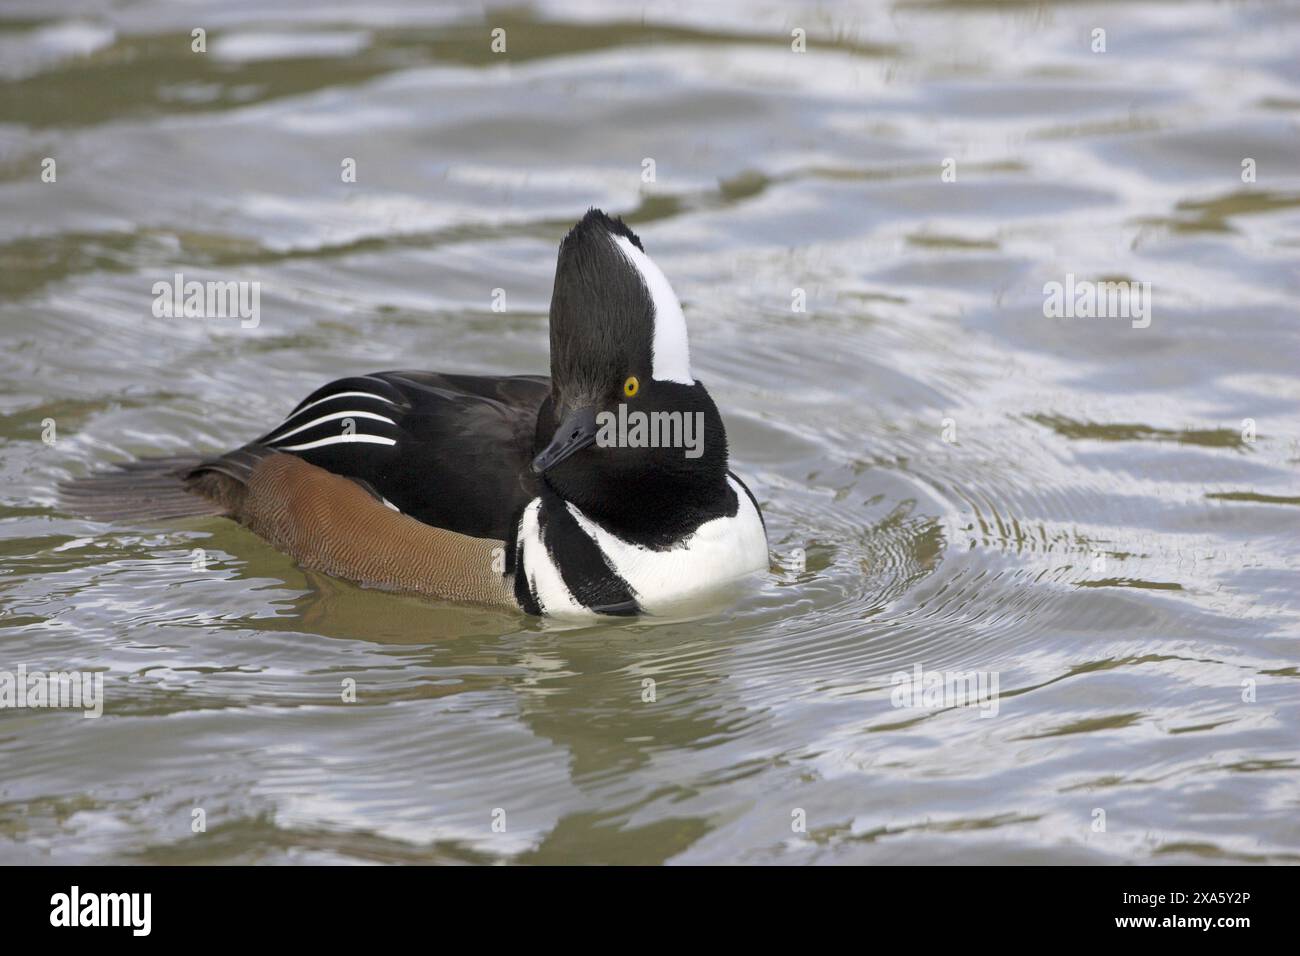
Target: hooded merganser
508,490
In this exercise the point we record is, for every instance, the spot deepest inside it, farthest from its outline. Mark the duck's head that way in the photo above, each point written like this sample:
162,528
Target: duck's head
619,356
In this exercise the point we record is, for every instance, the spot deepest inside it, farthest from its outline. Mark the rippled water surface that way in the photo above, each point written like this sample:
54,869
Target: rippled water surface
1077,505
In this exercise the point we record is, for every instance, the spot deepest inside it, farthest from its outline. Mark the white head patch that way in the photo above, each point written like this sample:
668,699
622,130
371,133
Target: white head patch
671,360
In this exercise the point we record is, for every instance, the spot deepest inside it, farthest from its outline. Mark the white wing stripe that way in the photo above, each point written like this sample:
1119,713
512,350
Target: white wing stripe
277,437
339,439
330,398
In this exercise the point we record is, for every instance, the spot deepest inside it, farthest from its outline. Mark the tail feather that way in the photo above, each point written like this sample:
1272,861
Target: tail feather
151,488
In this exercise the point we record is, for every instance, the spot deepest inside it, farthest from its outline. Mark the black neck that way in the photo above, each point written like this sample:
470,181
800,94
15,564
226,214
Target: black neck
654,498
656,512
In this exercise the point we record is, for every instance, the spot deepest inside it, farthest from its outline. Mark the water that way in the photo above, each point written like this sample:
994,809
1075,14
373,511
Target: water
1076,506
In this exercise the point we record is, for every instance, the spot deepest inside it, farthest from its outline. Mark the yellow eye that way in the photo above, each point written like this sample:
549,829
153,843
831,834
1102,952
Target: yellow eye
631,386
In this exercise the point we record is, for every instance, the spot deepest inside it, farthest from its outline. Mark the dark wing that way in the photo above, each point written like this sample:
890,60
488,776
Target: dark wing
452,451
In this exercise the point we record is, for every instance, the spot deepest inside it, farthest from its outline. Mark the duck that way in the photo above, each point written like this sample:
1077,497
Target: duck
601,489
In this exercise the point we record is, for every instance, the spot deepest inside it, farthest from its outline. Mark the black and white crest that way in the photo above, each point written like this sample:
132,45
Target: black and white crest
612,312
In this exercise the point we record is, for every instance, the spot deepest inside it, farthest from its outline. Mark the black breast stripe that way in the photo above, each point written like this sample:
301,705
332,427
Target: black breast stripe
525,596
590,578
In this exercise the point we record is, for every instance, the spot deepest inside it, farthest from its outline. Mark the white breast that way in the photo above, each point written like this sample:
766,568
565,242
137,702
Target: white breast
719,552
